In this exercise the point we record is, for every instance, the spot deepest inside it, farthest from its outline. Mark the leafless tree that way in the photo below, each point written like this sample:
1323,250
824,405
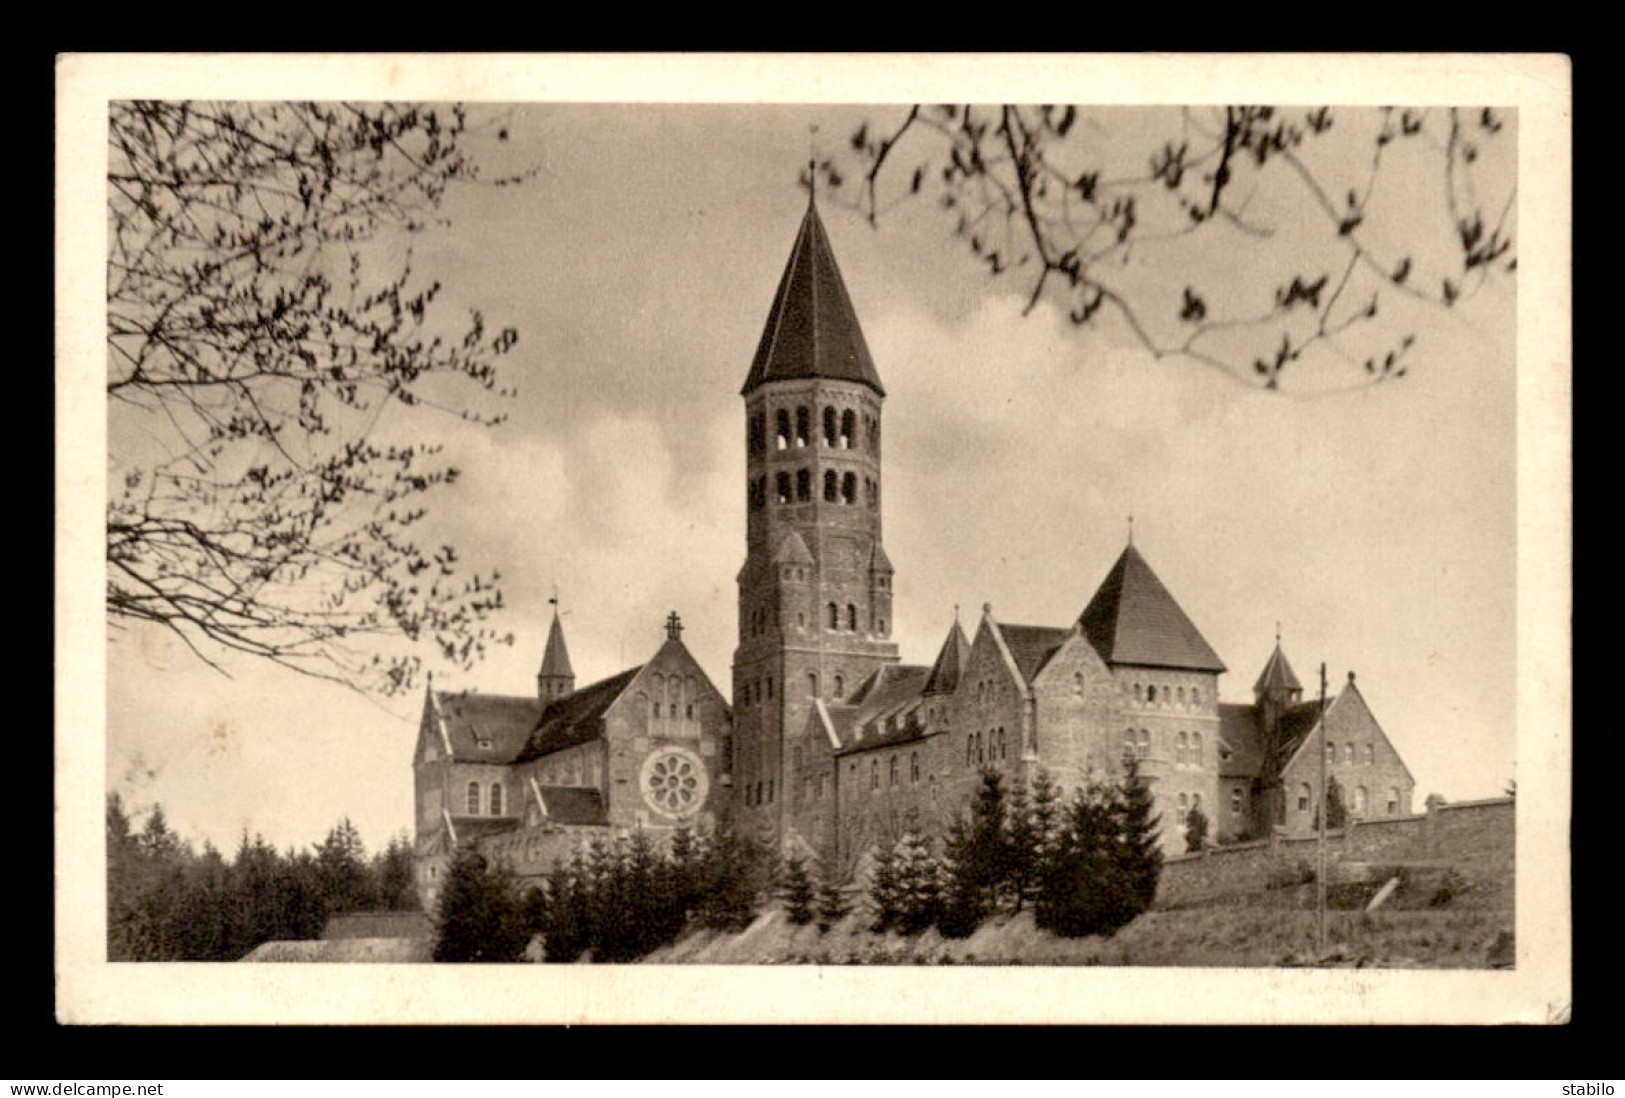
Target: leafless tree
1241,237
263,314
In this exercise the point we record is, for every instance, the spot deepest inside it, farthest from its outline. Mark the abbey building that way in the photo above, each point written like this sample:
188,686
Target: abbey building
832,744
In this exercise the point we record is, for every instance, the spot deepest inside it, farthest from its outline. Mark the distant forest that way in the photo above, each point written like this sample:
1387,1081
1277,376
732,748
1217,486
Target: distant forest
167,901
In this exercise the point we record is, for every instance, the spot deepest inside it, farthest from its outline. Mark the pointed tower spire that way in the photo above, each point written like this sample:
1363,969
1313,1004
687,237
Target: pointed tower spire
556,678
1277,674
812,329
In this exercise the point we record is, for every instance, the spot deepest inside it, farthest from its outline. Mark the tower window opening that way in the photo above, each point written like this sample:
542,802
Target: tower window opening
812,684
849,423
803,426
829,426
784,487
834,616
803,485
852,617
840,686
849,489
831,486
782,423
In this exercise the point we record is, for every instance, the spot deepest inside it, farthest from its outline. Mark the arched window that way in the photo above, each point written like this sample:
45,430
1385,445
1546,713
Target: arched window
803,427
688,711
803,485
970,749
1196,748
849,489
1196,695
833,613
1129,742
874,433
829,426
812,684
874,494
1303,797
1359,800
1348,753
783,485
1393,801
1331,751
840,686
913,766
849,423
1151,694
496,799
882,629
874,773
1235,801
1001,743
1077,684
852,617
1182,752
782,420
832,487
473,798
1370,755
891,771
1145,744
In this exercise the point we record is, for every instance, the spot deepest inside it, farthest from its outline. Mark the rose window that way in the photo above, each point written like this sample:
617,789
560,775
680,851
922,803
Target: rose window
674,782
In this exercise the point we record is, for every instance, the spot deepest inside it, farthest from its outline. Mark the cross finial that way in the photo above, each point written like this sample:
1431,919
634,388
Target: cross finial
1131,529
674,626
1277,634
554,601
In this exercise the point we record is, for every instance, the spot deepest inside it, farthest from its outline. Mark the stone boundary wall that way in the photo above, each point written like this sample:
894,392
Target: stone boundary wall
1471,831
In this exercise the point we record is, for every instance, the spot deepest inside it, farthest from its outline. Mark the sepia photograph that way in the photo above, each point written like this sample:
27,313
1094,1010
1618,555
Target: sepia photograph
1082,539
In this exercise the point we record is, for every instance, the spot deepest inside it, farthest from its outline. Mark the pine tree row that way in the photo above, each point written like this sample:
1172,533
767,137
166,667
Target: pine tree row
612,902
1088,865
169,902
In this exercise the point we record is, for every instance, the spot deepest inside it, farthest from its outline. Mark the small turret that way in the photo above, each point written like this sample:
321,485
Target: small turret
555,679
1276,689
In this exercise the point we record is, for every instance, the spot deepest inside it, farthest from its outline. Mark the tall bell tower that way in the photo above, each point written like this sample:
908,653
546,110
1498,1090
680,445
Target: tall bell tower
815,592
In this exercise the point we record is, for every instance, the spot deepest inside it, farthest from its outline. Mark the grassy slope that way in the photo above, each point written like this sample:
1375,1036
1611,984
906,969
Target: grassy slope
1270,928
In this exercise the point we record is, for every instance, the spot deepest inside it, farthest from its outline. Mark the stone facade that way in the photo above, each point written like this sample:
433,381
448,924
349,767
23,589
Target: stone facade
832,745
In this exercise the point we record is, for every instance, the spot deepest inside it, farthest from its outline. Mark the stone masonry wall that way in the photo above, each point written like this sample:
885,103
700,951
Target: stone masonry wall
1471,832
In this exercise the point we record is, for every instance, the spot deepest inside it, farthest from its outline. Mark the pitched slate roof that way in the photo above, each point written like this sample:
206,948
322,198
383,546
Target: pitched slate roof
944,677
1133,619
575,718
477,827
1277,674
812,329
573,805
501,720
555,657
1240,731
1031,646
886,712
1296,725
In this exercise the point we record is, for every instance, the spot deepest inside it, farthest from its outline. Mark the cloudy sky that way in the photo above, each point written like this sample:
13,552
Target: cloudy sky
1376,526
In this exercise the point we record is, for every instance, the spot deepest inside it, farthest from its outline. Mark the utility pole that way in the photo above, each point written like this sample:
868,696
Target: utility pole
1320,819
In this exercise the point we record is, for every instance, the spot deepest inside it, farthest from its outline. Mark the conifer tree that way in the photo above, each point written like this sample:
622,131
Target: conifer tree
567,931
1195,829
1337,813
1139,853
885,889
732,881
919,884
796,891
479,918
832,904
1021,848
979,862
